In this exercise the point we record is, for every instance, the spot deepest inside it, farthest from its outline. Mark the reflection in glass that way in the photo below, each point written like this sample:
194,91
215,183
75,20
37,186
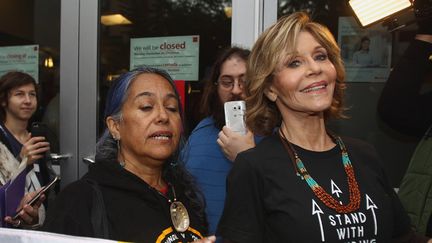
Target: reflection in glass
210,19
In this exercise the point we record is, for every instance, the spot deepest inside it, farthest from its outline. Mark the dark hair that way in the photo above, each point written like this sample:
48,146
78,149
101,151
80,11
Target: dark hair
10,81
173,170
363,39
211,104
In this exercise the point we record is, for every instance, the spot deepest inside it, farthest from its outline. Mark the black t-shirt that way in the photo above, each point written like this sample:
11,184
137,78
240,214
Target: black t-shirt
267,202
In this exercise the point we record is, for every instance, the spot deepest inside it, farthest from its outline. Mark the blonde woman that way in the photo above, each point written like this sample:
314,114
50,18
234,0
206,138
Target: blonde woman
303,183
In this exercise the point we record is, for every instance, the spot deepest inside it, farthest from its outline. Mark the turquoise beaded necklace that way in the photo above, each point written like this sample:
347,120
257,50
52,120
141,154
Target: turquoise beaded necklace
327,199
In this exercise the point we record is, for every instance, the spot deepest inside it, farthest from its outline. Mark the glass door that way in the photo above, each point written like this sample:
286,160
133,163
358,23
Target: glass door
141,23
30,43
95,51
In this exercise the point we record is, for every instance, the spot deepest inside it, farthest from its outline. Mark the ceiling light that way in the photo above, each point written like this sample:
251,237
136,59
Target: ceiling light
48,62
114,19
228,11
369,12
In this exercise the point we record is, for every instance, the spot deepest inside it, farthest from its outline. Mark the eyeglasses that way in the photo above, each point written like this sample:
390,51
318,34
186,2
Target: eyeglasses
230,83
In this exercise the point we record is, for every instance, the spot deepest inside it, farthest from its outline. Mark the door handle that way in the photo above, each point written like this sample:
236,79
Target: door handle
88,160
60,156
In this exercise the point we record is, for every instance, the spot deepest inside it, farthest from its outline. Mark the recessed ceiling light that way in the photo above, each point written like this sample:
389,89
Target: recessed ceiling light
114,19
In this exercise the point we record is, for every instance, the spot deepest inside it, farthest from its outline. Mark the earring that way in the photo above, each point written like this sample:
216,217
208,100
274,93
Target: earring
272,97
117,140
122,162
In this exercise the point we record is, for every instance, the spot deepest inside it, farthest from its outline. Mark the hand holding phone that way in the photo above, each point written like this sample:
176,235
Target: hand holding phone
234,115
38,146
34,199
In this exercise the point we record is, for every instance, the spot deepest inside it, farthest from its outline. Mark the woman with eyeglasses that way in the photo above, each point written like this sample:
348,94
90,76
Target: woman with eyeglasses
205,159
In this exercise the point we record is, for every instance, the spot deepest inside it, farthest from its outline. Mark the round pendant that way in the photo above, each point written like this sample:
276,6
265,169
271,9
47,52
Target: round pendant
179,216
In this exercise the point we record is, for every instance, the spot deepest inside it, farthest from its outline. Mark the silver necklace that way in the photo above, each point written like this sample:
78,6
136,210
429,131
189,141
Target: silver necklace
178,212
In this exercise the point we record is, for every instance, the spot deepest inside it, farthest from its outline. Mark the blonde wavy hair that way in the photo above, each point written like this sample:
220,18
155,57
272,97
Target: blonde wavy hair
273,47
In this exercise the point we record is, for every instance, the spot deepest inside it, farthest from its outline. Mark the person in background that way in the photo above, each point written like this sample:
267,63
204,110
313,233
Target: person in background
305,183
203,157
137,190
405,101
363,56
18,98
405,105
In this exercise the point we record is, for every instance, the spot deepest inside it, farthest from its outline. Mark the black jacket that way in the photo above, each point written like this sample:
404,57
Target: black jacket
135,211
402,105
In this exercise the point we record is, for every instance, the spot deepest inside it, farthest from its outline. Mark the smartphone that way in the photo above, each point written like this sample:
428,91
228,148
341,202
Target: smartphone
38,129
234,115
38,195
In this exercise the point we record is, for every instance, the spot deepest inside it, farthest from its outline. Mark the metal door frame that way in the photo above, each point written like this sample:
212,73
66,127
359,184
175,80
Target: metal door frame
78,85
261,13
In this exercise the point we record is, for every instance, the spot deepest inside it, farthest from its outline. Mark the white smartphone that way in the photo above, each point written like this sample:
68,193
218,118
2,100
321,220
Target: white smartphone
234,115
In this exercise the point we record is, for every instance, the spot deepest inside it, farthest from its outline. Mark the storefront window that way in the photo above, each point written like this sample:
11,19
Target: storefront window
208,19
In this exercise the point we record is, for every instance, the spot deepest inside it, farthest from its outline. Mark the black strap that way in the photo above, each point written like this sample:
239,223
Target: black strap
4,138
99,218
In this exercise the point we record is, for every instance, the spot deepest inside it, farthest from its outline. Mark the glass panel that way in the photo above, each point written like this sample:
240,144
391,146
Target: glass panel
35,24
323,11
210,19
394,148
